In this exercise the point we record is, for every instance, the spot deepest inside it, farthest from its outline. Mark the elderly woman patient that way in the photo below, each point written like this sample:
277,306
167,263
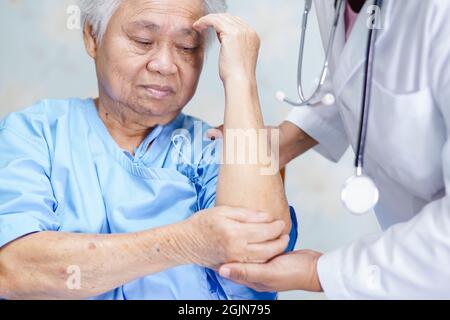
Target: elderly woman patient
109,198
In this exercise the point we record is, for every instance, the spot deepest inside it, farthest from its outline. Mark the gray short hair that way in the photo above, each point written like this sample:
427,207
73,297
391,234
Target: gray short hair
97,13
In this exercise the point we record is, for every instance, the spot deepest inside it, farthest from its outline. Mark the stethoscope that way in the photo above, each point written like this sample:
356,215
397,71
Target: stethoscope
360,194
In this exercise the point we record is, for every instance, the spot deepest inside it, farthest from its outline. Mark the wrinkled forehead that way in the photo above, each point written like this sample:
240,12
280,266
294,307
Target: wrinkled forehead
182,13
174,17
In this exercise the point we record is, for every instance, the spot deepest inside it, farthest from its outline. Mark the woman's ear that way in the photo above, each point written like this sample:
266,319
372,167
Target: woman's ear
89,41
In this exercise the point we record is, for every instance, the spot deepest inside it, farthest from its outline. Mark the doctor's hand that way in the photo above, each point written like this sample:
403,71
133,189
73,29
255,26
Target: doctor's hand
239,45
224,234
293,271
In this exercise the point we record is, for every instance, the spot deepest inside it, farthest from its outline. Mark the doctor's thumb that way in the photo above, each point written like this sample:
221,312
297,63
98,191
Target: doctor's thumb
243,272
237,272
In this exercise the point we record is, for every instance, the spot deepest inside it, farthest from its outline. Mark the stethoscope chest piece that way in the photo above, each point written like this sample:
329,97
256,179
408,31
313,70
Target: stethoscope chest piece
360,194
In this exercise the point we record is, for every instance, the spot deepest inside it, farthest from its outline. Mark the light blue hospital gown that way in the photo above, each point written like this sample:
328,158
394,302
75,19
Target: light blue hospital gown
60,170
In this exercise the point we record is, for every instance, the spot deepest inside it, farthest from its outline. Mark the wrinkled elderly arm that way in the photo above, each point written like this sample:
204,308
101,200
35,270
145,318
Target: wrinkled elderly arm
255,185
56,265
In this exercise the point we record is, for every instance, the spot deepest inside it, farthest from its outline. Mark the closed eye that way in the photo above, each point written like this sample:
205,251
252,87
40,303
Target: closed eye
188,49
143,42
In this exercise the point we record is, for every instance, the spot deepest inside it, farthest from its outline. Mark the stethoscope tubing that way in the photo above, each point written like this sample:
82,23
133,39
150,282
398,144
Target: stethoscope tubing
367,95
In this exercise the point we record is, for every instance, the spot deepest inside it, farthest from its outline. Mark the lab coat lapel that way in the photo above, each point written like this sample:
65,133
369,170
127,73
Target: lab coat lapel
350,56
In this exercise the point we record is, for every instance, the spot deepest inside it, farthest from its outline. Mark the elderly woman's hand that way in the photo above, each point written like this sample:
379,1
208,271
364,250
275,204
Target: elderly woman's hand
240,45
224,234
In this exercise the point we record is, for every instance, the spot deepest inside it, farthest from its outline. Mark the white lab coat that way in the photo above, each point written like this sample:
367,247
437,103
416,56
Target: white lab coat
407,153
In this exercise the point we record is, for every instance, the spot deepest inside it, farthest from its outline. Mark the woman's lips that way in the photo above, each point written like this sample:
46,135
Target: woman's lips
159,92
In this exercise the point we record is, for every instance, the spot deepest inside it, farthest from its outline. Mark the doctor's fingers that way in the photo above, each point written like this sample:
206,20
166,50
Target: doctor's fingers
263,252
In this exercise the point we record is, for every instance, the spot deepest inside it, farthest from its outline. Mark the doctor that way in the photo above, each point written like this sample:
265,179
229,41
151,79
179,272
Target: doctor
407,155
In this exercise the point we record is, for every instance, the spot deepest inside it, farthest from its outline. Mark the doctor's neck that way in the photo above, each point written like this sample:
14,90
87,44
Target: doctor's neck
356,4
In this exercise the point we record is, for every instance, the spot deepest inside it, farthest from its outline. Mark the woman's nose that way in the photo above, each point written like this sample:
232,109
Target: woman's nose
162,62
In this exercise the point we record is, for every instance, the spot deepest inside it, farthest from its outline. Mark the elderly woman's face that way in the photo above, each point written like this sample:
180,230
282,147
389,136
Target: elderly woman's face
150,59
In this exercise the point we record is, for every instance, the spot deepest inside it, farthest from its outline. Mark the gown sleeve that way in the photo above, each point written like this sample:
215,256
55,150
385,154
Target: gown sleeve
27,203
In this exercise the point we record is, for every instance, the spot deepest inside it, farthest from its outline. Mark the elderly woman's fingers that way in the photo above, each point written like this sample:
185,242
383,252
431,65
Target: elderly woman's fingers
246,215
215,21
240,45
222,23
263,232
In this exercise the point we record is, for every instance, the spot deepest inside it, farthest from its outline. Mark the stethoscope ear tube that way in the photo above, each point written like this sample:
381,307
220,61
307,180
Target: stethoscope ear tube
313,99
